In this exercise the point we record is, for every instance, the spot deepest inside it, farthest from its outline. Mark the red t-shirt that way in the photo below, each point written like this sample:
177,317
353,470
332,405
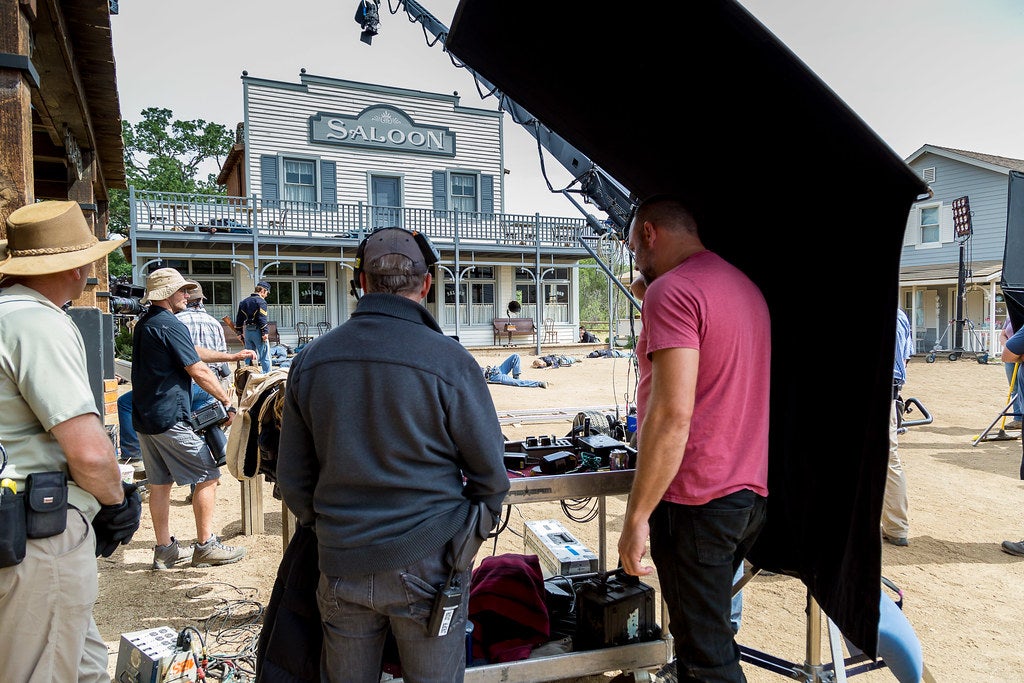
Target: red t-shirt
707,304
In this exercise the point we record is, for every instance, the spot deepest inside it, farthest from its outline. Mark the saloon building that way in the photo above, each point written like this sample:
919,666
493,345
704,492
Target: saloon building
320,163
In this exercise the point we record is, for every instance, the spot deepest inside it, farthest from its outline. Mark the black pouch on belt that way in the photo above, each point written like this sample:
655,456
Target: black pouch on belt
46,504
12,528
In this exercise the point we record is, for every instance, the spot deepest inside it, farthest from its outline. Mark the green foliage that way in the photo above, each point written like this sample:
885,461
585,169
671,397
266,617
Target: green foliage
165,155
118,265
123,343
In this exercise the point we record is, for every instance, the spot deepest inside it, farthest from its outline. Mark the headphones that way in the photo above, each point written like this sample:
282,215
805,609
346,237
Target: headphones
428,251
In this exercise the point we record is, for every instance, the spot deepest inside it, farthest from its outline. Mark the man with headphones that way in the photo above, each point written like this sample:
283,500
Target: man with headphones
391,441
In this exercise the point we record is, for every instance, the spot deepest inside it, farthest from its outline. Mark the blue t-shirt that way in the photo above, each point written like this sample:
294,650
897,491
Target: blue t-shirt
161,387
1016,342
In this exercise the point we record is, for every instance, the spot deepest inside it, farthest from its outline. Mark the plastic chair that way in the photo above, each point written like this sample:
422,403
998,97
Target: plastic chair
302,330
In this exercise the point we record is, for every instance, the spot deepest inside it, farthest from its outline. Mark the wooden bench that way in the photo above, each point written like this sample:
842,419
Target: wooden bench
506,328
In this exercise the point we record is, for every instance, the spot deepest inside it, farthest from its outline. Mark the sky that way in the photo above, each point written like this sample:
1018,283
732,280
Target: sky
939,72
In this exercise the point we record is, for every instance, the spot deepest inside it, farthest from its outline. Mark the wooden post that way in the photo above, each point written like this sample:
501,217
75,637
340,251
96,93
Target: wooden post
252,505
16,171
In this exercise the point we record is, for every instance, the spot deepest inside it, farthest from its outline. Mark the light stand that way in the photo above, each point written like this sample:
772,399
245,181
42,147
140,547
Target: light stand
963,229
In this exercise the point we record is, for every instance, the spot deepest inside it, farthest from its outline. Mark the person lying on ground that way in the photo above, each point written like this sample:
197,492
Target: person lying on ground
508,373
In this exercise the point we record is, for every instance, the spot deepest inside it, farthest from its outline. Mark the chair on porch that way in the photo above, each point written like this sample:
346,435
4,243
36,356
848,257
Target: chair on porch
322,327
550,331
302,330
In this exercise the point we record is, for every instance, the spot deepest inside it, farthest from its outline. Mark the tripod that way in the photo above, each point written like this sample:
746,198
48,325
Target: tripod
897,642
1001,435
958,351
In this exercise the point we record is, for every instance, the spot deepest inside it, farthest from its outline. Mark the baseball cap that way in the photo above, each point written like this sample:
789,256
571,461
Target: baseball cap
392,241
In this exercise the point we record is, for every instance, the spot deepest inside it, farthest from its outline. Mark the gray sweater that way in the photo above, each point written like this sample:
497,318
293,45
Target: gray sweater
388,433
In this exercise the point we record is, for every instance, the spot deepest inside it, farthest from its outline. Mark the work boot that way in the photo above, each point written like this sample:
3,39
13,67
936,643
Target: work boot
166,556
1014,548
214,553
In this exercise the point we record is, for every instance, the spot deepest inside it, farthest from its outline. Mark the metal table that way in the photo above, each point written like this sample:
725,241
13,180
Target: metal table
635,659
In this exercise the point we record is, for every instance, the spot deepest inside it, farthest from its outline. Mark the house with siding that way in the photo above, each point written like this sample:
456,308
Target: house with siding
320,163
939,241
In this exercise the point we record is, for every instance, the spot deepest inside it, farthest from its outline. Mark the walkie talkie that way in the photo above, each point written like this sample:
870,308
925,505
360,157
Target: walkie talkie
449,597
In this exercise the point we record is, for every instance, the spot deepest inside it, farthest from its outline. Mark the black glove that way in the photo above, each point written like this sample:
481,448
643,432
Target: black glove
116,524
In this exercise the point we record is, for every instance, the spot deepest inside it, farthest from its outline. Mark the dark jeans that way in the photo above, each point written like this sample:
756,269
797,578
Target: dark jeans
697,549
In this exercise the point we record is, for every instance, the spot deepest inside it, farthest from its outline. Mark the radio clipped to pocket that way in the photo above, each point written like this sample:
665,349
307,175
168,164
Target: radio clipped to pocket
46,498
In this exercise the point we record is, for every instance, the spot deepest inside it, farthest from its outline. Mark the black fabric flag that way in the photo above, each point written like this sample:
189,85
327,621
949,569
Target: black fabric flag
699,99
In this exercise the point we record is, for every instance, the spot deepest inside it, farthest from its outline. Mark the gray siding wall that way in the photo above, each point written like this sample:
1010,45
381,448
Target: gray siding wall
987,193
278,124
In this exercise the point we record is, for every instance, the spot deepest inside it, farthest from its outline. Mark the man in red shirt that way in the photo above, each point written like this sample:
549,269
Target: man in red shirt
701,481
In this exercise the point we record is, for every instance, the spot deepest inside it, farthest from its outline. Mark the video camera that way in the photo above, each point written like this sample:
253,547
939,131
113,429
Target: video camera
126,298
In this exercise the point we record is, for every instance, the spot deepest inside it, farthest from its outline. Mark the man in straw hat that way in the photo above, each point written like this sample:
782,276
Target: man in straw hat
165,361
50,428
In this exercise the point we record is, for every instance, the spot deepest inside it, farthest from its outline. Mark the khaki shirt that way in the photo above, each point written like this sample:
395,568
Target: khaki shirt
43,382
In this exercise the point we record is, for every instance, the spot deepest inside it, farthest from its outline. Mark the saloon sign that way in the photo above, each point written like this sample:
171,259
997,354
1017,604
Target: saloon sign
381,127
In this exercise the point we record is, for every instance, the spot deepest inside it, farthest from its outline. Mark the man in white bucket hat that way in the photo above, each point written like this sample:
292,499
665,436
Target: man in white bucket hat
165,361
51,429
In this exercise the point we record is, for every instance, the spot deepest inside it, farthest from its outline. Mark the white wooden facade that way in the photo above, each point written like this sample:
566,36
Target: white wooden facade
326,161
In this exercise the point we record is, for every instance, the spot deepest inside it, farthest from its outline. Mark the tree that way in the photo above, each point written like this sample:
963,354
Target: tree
166,155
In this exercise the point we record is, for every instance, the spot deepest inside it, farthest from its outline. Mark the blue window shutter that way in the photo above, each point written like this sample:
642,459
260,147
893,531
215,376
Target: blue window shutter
269,181
486,194
328,185
439,183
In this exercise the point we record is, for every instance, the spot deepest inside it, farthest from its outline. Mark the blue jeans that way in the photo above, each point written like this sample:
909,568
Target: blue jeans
357,611
128,438
697,550
1018,403
254,341
508,373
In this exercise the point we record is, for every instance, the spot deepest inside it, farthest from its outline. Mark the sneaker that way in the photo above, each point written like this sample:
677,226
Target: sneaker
1014,548
166,556
213,553
543,385
667,674
1015,424
894,540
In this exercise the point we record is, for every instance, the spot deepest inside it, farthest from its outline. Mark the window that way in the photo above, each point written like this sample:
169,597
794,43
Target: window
555,288
464,193
476,298
219,301
299,180
298,293
929,225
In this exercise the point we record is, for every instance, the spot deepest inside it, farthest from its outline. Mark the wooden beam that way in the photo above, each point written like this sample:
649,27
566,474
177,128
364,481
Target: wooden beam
16,174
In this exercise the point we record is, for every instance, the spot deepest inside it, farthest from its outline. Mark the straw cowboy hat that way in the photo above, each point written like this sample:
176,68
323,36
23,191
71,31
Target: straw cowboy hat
164,282
50,237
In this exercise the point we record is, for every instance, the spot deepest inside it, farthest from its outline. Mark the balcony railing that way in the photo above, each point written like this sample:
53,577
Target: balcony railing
247,218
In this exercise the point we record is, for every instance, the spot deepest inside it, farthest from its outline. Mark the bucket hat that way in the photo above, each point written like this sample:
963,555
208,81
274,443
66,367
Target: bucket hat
50,237
164,282
197,293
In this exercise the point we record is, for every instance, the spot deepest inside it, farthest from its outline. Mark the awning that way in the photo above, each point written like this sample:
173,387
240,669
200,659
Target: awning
698,98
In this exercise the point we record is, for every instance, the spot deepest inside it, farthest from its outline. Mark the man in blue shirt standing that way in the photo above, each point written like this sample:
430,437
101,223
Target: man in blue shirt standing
252,314
1013,352
895,522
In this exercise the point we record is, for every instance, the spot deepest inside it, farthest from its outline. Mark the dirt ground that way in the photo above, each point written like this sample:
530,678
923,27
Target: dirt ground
962,595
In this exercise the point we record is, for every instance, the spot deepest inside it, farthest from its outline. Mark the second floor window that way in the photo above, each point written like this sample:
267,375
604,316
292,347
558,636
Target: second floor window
299,180
930,224
464,192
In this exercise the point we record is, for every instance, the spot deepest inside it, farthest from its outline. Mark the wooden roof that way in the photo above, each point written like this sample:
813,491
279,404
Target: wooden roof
74,57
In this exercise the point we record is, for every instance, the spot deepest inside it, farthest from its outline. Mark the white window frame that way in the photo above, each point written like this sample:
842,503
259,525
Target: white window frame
913,234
